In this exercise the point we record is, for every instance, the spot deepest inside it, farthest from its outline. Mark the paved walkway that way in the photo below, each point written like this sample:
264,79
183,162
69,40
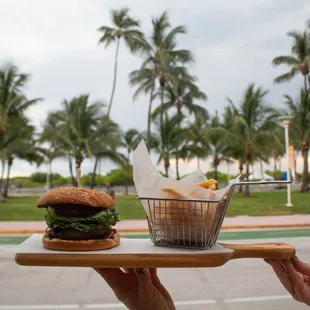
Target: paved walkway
239,222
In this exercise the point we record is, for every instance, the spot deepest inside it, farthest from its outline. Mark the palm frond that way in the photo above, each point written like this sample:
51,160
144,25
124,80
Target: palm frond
286,60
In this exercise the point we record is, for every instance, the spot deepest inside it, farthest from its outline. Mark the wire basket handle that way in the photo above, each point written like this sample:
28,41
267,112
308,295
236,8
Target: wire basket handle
261,183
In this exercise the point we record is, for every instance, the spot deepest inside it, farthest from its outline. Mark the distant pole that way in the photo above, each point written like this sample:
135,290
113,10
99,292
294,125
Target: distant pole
286,122
228,172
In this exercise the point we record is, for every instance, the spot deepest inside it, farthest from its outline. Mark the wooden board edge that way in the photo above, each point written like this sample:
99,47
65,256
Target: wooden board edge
123,260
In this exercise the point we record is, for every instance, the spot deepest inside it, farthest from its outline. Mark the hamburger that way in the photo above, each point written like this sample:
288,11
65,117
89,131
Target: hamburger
79,219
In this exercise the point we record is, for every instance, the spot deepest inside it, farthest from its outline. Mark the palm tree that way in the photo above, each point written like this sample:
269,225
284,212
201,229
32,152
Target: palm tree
161,54
234,150
180,93
13,102
124,27
167,140
145,80
131,139
277,152
218,149
50,135
52,150
75,125
253,127
209,135
300,129
23,147
50,153
105,141
299,61
195,144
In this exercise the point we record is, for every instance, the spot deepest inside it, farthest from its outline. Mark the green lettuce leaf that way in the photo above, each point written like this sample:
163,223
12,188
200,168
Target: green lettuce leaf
84,224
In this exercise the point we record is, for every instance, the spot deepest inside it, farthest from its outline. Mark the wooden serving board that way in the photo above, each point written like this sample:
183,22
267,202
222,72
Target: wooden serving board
141,253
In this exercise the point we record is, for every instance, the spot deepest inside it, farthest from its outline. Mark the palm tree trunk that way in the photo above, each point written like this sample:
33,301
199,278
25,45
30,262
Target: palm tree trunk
161,105
127,172
305,82
275,175
93,177
6,187
304,184
198,162
167,165
177,167
247,189
115,76
78,164
240,172
49,175
2,173
149,116
167,171
261,170
51,180
71,171
215,175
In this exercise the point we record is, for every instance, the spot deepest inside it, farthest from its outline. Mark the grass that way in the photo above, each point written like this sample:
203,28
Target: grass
268,203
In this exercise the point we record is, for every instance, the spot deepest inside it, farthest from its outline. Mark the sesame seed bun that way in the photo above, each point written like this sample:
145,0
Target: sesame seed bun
113,240
75,196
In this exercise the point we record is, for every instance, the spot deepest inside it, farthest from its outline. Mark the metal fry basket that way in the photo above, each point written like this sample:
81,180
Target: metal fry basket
189,223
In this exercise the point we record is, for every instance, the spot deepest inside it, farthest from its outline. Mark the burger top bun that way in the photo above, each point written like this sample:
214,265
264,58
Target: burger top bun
75,196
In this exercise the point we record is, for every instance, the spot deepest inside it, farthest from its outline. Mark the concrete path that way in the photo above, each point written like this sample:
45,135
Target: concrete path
239,222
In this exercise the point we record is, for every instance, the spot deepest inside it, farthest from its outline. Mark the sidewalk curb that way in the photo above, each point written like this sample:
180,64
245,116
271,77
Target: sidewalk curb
142,230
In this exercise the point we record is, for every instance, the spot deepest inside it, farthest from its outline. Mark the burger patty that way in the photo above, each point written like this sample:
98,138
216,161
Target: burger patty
76,210
73,234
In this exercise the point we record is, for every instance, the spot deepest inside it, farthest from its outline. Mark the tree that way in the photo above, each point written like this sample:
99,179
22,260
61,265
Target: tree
234,148
23,147
131,139
215,142
145,80
124,27
211,141
75,126
57,143
181,92
167,140
253,127
51,153
300,129
195,144
277,152
105,141
160,55
13,103
299,61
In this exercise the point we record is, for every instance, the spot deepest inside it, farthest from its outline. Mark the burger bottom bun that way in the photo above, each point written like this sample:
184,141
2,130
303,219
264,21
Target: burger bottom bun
82,245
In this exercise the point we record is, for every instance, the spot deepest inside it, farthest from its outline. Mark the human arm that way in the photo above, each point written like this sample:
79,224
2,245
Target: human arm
295,277
138,289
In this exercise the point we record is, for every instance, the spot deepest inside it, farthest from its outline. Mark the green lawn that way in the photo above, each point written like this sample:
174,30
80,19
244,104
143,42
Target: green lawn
269,203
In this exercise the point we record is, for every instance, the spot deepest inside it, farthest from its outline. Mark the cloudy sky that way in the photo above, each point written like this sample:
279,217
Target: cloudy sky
233,42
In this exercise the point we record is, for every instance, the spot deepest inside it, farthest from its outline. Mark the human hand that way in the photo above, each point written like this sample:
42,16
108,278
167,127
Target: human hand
295,277
138,289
